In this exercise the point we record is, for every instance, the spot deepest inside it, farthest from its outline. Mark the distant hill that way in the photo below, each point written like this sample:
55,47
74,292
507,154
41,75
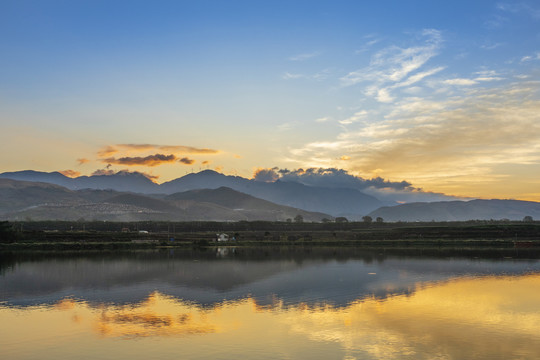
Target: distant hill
19,195
460,211
23,200
334,201
121,181
253,207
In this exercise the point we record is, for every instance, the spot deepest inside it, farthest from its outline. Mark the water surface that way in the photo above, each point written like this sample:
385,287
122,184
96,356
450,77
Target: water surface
269,304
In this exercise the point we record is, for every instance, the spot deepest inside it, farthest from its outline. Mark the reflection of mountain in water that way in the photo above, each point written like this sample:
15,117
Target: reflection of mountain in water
210,277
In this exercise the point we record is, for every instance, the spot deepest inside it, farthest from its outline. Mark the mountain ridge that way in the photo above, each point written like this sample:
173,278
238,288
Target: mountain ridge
478,209
333,201
23,200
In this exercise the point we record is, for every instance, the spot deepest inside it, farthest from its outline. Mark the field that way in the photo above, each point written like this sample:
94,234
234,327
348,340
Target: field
115,235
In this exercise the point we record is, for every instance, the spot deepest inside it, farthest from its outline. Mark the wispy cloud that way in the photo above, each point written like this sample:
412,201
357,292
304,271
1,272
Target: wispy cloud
358,116
535,56
460,82
461,141
371,40
169,148
107,151
395,67
82,161
323,119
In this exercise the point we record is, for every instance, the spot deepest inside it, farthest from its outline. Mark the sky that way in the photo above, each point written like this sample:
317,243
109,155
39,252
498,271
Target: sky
443,96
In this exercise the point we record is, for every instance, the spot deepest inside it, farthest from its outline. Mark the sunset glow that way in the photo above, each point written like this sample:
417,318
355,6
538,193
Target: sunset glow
444,96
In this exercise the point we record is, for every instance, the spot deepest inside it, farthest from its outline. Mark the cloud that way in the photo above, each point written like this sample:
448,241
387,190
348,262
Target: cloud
359,115
82,161
108,172
265,175
535,56
329,177
107,151
100,172
460,82
460,141
395,67
186,161
419,76
70,173
168,148
148,155
127,150
323,119
469,144
374,40
150,160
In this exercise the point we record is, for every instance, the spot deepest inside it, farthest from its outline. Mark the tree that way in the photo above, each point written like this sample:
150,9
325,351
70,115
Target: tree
528,219
367,219
298,218
379,219
7,233
341,219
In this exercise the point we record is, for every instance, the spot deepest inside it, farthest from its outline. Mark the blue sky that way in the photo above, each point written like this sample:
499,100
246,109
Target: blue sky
443,95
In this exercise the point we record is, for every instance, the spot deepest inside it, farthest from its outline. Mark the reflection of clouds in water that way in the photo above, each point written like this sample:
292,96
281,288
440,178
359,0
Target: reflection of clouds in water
490,317
496,318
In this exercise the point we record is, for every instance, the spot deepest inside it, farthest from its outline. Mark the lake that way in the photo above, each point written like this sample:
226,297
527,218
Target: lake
270,303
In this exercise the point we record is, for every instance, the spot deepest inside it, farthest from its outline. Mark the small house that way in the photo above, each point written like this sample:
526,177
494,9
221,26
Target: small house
222,237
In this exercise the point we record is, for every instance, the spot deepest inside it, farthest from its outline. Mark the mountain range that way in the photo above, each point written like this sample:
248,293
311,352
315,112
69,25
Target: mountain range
24,200
333,201
209,195
460,210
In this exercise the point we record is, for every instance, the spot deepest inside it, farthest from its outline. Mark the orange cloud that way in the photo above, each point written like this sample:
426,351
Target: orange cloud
70,173
266,175
186,161
345,157
150,160
168,148
206,162
82,161
107,151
